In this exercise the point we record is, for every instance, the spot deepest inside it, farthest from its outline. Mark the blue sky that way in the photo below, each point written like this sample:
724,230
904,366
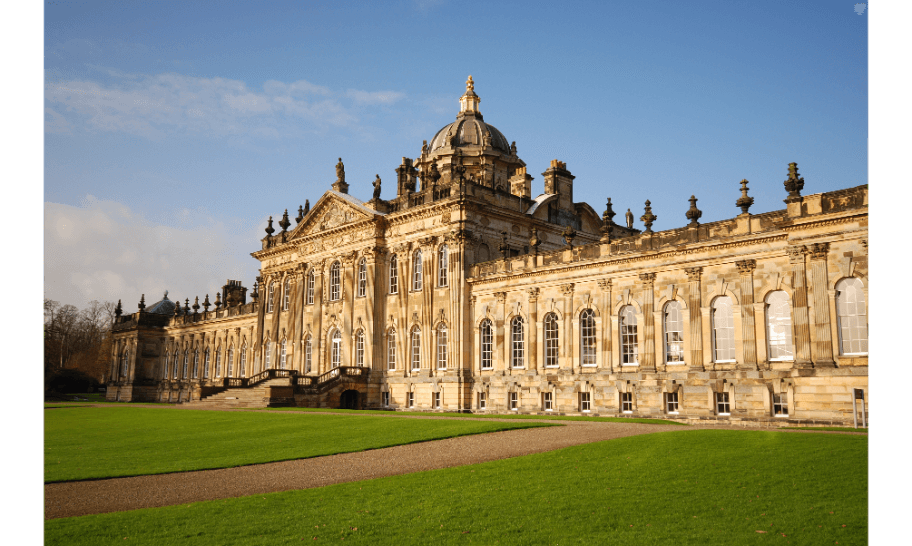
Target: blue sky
173,129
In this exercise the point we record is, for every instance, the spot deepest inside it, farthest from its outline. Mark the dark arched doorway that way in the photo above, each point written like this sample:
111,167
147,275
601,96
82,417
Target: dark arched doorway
349,400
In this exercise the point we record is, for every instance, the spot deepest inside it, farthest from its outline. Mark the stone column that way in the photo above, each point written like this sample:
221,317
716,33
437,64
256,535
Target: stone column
533,329
748,326
823,339
800,307
694,302
648,360
605,285
568,338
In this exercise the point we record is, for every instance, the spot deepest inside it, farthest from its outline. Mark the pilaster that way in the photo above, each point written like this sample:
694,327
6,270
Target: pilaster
823,340
800,306
648,360
748,325
694,304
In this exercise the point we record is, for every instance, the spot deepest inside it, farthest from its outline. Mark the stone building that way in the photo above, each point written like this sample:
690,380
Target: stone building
466,292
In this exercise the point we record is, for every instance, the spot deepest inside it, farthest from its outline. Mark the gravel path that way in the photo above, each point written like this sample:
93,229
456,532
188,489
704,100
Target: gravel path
117,494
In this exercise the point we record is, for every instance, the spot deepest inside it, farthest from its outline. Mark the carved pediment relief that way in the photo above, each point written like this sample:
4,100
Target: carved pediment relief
329,213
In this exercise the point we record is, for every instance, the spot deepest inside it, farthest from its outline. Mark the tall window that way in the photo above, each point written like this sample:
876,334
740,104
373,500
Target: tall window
310,287
779,326
123,364
416,270
231,362
627,323
206,363
517,343
443,259
442,347
286,294
242,365
391,349
308,355
283,354
551,341
268,358
851,317
336,349
394,275
218,362
416,348
335,281
362,278
723,330
270,298
196,363
165,370
722,405
186,373
487,345
587,338
359,348
674,333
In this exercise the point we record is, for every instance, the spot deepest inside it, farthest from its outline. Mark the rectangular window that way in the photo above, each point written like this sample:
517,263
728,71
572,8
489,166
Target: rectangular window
627,402
441,347
437,400
487,345
362,279
218,364
585,402
780,405
385,399
722,405
394,275
671,402
310,288
359,349
482,401
411,400
391,351
547,401
514,401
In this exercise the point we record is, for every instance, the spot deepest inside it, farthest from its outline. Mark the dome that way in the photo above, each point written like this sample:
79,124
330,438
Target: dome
469,130
163,307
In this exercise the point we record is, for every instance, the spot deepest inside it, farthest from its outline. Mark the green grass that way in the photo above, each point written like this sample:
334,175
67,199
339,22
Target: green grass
550,417
688,487
829,429
83,442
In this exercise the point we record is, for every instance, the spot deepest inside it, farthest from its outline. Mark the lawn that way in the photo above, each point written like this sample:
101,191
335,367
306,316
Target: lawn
83,442
687,487
547,416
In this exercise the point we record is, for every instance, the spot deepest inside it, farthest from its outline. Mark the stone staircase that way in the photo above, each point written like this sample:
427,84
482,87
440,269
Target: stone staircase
258,396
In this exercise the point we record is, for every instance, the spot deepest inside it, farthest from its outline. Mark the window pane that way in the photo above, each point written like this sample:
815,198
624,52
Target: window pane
587,338
723,329
851,317
551,341
674,333
628,326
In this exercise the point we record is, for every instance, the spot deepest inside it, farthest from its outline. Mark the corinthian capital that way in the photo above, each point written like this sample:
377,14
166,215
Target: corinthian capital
746,266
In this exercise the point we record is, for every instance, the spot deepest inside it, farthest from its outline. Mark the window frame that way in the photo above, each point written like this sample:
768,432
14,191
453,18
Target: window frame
308,354
206,363
270,297
723,401
411,399
672,401
385,399
442,350
359,348
283,356
517,343
242,362
417,272
229,369
286,293
438,399
443,261
267,359
482,400
673,330
629,336
552,341
779,405
585,402
627,402
415,348
487,344
773,344
394,275
218,363
362,278
311,288
335,281
719,354
588,356
336,348
547,401
513,401
859,332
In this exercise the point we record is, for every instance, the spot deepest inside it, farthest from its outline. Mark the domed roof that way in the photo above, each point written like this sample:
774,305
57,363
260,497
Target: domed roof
163,307
469,130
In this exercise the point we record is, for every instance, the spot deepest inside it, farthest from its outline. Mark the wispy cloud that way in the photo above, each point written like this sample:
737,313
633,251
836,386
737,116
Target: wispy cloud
104,250
155,106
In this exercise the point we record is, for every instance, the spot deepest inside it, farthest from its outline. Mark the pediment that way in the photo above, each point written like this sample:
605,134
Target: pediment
332,211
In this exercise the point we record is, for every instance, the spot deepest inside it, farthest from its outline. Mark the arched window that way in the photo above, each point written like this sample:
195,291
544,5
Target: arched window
336,349
674,333
308,355
587,338
517,343
186,373
362,278
286,294
310,287
416,270
391,349
442,347
267,360
552,343
394,275
335,282
627,322
359,348
206,363
283,355
270,298
723,329
851,317
779,326
416,348
231,361
443,259
218,362
487,345
165,369
242,365
196,363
